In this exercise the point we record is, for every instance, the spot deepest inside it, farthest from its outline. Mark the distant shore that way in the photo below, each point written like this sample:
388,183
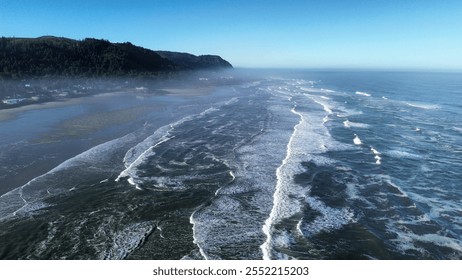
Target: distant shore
17,95
8,113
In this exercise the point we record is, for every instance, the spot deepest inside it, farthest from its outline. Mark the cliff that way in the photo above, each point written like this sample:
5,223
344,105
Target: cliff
189,61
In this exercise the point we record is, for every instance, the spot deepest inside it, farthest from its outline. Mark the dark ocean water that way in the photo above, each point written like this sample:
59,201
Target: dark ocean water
283,165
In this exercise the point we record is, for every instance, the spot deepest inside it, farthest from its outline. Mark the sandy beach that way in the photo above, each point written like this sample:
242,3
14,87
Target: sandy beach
41,136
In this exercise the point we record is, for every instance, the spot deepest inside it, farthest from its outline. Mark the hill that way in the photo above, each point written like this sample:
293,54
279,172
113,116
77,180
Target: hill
53,56
189,61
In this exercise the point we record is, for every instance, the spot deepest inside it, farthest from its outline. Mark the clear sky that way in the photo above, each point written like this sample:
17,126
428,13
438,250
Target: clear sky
424,34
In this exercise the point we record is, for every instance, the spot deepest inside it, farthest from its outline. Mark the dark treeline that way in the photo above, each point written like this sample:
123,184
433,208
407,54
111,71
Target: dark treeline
52,56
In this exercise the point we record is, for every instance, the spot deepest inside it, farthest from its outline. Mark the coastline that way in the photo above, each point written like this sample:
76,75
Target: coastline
10,113
79,125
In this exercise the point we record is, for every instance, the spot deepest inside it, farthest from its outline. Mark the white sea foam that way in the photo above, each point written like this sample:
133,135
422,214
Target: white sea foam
345,112
357,140
162,134
42,246
229,102
126,240
389,181
402,154
135,152
232,175
423,106
315,90
301,147
138,154
359,125
349,124
25,199
362,93
458,129
131,170
324,105
105,236
196,240
440,207
352,191
378,159
328,220
160,229
406,240
220,224
284,174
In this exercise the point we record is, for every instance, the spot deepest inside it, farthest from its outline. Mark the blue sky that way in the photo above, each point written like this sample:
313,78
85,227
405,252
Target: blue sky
411,34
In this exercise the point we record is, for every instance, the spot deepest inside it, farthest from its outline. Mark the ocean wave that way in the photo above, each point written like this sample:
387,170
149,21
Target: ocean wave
458,129
125,240
329,219
406,241
378,159
403,154
131,166
349,124
284,173
310,138
25,199
423,105
313,89
357,140
324,105
143,151
344,112
362,93
219,225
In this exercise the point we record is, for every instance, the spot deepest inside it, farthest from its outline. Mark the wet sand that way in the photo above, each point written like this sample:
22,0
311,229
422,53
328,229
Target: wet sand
7,114
73,126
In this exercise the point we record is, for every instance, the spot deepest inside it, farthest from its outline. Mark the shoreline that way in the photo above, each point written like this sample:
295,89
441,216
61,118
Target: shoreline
11,113
101,117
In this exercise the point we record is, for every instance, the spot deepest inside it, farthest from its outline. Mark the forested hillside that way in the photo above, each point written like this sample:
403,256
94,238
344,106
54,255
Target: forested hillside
52,56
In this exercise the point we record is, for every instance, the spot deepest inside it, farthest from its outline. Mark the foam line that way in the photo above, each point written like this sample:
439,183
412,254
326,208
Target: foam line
278,195
324,105
329,218
376,155
423,106
195,241
126,172
362,93
134,156
9,205
346,123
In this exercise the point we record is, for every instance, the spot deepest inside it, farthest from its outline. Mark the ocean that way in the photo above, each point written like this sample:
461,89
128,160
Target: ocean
269,165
